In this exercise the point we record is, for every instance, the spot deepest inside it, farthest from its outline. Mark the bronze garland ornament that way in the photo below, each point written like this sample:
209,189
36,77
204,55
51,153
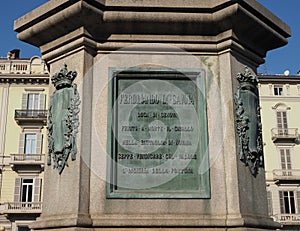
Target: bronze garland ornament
63,121
248,122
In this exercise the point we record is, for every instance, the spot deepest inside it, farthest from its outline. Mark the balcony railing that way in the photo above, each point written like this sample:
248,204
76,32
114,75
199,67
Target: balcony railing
19,162
39,158
15,67
284,133
23,207
288,219
286,174
30,116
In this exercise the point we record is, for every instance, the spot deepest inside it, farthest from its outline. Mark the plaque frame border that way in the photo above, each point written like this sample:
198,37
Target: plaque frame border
200,75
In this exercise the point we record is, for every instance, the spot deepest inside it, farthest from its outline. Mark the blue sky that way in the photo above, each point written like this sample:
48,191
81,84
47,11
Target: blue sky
11,10
287,57
277,61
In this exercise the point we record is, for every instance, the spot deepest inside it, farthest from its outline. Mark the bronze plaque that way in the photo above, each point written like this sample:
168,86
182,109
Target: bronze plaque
158,134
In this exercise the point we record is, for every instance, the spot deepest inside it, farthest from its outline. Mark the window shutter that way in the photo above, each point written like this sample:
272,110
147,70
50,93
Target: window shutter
279,122
22,143
281,199
282,158
284,119
288,161
282,122
17,192
37,189
269,198
24,101
42,102
298,201
39,139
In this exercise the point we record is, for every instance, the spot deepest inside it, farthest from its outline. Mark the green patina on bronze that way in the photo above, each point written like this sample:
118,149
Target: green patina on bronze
248,122
158,134
63,119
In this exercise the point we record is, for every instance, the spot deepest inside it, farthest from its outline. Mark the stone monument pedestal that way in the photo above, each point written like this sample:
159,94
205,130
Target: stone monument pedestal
157,144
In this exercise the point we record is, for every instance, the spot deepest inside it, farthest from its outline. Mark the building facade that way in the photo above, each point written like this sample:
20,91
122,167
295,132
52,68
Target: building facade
23,117
280,109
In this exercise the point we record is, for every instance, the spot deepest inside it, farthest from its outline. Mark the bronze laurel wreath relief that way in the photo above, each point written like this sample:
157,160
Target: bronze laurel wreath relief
63,121
248,122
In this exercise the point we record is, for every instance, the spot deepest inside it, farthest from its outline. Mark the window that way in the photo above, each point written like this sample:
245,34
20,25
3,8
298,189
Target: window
33,101
30,143
32,104
289,202
282,122
285,161
278,90
27,190
23,228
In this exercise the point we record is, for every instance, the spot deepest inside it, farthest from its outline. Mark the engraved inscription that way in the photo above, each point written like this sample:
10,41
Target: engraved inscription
160,139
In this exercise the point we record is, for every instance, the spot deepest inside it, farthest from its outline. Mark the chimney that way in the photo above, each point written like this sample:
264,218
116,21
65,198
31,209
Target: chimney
13,54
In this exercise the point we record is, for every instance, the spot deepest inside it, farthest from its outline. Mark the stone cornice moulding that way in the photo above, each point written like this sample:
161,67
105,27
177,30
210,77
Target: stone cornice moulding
211,6
293,99
24,79
279,79
206,45
106,20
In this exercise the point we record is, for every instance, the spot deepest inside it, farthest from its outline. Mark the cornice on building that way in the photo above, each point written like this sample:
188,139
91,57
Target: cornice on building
24,79
282,79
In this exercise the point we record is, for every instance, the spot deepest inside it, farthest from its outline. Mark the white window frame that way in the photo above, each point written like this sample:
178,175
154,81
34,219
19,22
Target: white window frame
36,186
33,100
283,202
38,141
30,143
282,122
25,190
286,163
278,90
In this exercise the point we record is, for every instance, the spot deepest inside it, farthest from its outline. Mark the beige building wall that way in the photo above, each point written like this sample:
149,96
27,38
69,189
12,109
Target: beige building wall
280,94
8,185
23,117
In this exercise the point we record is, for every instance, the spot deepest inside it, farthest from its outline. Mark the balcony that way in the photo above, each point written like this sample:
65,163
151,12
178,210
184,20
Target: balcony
33,162
288,219
15,67
22,207
31,116
280,175
284,134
